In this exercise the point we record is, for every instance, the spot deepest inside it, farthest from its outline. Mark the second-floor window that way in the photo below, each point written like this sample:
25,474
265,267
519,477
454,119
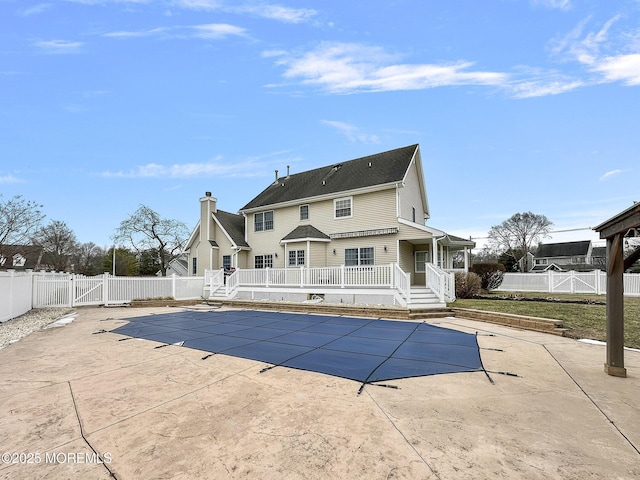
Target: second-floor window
263,221
304,212
342,207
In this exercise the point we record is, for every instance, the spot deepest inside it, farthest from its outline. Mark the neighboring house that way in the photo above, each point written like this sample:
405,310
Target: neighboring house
578,256
178,266
367,211
21,257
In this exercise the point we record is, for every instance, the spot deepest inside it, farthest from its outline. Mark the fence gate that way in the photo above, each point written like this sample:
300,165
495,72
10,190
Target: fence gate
87,290
68,290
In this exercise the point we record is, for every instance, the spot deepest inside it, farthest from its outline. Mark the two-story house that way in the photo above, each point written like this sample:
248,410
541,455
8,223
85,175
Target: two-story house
363,212
580,256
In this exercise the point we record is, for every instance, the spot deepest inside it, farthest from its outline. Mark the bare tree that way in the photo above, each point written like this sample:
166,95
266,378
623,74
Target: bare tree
518,233
87,258
19,218
145,230
58,243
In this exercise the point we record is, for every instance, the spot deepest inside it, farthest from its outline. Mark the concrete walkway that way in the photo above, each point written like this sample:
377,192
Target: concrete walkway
74,404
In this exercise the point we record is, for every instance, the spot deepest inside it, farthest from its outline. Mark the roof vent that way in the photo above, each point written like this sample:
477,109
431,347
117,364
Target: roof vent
369,164
324,182
287,171
276,177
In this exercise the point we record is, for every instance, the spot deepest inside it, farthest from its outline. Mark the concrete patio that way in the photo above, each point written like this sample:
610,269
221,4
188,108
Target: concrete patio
76,404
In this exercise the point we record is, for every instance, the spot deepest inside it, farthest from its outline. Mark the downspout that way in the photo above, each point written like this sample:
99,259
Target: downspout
435,256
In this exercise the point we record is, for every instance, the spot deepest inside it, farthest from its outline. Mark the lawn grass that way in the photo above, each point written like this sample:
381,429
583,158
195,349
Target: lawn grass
583,320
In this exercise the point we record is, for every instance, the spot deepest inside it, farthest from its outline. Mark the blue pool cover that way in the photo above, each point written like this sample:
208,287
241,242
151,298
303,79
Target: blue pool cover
359,349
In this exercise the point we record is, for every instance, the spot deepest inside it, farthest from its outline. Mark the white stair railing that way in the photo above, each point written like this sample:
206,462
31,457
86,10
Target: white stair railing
441,283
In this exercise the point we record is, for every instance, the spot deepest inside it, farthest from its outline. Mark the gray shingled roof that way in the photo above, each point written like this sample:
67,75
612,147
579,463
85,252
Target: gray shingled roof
234,225
378,169
306,231
566,249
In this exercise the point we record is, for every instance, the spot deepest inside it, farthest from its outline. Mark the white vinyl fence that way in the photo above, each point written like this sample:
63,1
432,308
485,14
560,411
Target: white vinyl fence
15,294
22,291
567,282
66,290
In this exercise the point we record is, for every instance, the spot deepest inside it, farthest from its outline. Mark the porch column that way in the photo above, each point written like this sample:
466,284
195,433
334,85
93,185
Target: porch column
434,260
308,259
615,307
466,259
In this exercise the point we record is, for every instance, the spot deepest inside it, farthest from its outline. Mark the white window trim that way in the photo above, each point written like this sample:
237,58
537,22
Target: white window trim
300,213
264,222
336,200
373,250
415,262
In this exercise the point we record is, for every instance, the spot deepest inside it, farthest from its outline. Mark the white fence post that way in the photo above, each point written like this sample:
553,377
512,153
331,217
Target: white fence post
173,286
105,288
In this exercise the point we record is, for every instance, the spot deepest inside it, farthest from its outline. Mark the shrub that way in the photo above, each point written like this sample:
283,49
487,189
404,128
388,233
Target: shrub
495,280
467,284
486,271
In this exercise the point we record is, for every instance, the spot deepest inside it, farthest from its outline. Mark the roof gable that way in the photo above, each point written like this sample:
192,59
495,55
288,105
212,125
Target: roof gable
373,170
233,225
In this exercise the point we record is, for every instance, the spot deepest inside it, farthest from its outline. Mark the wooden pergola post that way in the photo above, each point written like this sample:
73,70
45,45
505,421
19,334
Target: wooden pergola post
614,230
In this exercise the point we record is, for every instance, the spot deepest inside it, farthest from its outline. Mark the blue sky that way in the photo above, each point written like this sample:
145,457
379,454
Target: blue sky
518,105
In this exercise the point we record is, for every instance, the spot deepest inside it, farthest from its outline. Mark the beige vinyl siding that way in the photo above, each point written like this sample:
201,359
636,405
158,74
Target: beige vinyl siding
407,259
378,243
410,196
369,211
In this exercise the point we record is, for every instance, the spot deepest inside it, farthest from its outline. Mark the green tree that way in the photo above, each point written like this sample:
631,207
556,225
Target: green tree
126,262
149,262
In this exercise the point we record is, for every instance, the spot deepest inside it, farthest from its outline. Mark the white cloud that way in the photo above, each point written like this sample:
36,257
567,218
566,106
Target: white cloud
36,9
139,33
591,49
217,30
198,4
102,2
624,68
8,178
58,47
559,4
213,31
353,133
350,68
269,11
249,167
279,13
610,174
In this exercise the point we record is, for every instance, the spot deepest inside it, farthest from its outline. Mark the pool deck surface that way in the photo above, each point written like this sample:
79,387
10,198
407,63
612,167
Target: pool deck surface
78,404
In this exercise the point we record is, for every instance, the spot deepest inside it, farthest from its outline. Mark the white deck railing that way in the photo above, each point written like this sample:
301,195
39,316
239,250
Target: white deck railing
390,276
